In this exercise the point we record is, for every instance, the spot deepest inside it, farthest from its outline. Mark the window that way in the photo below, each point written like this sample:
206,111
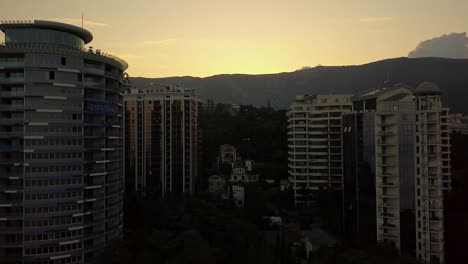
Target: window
51,75
63,61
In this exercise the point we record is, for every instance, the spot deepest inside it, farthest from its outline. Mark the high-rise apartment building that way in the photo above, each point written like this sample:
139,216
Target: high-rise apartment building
61,177
433,172
397,138
163,139
315,144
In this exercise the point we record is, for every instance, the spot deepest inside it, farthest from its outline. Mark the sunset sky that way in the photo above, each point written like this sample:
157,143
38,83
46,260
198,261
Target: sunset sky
162,38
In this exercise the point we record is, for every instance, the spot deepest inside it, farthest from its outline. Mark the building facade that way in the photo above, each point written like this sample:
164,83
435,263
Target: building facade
409,160
163,139
315,144
61,174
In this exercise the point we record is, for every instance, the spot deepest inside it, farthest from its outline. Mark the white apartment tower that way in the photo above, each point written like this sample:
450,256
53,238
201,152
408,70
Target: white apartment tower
395,166
412,166
433,172
315,144
163,139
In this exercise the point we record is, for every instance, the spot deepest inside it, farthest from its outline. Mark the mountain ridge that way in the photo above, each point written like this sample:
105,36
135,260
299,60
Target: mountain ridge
280,88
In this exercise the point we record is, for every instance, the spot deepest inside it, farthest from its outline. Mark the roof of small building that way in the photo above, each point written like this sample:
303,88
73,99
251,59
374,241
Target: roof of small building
427,88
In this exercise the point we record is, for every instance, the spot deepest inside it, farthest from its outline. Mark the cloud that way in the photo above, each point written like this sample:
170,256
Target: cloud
375,19
158,42
77,21
453,45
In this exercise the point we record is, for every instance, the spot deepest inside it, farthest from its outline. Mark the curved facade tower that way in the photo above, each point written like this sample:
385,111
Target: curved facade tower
61,173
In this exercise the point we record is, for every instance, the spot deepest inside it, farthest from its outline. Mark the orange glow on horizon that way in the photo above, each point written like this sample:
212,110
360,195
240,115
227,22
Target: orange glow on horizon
207,37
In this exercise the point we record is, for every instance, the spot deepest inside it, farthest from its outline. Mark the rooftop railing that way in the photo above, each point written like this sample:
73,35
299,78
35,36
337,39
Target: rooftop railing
45,47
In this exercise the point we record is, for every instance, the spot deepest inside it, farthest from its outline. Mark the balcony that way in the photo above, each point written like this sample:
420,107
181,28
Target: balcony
388,215
388,236
10,148
436,218
11,107
385,142
10,134
12,94
387,205
11,175
386,154
112,75
432,196
387,195
386,164
432,185
93,70
387,184
96,85
11,121
385,133
11,64
11,80
388,225
386,175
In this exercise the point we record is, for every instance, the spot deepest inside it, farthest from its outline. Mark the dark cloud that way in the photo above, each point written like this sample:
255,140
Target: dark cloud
453,45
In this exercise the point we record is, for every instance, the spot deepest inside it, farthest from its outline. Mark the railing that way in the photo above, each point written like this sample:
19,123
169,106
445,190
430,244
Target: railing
112,75
387,215
93,84
45,47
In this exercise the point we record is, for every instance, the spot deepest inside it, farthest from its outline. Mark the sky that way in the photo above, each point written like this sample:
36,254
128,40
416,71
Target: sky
161,38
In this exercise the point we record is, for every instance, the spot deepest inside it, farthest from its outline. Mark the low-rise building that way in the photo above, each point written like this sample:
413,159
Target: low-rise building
216,184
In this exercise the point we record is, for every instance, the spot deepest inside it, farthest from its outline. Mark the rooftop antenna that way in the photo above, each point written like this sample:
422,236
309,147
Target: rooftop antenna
82,19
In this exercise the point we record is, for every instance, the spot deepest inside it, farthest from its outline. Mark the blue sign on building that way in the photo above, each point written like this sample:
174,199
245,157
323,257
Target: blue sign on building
106,108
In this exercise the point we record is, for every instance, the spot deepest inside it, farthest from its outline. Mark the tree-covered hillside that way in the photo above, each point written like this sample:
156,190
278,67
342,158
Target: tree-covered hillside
450,74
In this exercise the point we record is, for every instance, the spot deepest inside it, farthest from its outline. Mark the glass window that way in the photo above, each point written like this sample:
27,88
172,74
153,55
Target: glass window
43,36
